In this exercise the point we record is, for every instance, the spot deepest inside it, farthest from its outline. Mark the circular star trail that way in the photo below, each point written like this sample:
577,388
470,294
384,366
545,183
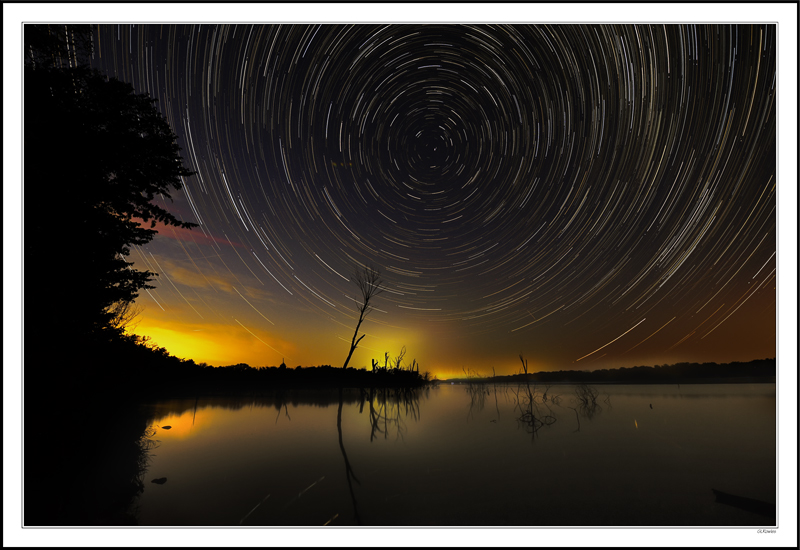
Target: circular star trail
581,193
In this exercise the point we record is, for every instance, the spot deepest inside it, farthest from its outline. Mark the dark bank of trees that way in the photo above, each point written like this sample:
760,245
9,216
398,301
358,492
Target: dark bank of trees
758,370
96,155
188,379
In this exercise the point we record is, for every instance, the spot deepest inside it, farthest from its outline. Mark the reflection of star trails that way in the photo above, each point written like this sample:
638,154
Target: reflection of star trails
614,340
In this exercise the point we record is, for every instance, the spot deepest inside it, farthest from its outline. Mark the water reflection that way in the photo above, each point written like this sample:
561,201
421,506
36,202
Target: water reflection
384,412
534,405
412,458
476,387
347,468
387,409
279,399
528,400
527,404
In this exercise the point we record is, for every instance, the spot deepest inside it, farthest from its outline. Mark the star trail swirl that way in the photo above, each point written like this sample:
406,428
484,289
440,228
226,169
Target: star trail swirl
587,195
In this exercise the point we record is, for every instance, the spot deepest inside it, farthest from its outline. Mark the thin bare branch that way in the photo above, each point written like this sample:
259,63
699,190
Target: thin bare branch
368,280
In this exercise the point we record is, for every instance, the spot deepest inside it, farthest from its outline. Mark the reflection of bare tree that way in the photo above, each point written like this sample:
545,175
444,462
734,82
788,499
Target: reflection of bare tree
528,401
532,405
477,391
586,395
586,403
387,409
348,469
280,403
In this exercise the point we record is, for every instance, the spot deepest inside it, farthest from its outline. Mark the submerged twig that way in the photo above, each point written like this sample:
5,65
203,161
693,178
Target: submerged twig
577,417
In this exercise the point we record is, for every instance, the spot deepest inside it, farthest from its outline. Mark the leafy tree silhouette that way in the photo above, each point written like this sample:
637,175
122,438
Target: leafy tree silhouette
96,156
57,46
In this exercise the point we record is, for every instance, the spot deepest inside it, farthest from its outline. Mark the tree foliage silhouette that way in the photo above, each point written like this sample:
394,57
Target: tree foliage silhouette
57,46
97,156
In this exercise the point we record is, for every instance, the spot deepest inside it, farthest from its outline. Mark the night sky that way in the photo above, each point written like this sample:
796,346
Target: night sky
589,196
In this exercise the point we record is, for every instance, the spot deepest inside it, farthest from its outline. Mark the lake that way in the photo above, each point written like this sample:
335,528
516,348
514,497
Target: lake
464,455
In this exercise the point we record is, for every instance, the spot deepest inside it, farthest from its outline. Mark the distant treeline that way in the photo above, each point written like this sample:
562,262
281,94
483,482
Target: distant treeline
243,377
759,370
160,374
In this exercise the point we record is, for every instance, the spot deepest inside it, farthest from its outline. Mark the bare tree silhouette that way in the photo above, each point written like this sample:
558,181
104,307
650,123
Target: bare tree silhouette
369,283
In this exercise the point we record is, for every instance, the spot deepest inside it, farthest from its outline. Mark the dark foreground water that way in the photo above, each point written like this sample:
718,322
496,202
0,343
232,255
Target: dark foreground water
455,455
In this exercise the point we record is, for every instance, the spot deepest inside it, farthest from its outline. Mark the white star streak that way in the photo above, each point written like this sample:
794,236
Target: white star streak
612,341
259,339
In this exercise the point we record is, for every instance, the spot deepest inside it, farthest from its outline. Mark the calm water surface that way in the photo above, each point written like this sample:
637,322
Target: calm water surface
456,455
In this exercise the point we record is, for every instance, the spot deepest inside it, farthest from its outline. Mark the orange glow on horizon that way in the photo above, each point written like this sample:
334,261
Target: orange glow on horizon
215,344
315,340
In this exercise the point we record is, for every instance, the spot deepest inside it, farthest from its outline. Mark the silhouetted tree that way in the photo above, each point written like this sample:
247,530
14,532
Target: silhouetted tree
399,359
123,315
57,46
368,280
96,156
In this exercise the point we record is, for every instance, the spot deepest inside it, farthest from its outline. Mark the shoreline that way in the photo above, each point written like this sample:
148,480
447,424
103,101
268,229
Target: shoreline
683,382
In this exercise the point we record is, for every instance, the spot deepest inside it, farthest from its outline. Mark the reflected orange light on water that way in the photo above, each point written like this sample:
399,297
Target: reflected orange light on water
184,425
